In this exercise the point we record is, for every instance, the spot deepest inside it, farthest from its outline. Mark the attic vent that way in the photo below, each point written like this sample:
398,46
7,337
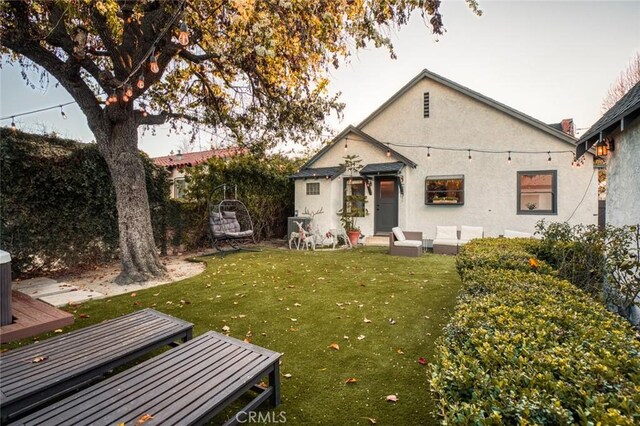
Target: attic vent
426,105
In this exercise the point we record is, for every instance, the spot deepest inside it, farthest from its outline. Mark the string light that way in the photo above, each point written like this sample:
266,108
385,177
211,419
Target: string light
183,37
129,91
153,63
13,124
469,155
140,83
64,116
388,151
428,153
125,98
549,159
509,159
345,145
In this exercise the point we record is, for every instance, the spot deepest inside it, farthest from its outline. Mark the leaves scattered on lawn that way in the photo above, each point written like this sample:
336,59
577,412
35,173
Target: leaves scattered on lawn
350,380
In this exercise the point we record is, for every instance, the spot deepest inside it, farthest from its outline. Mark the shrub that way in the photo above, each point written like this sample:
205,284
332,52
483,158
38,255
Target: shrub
506,253
528,348
58,205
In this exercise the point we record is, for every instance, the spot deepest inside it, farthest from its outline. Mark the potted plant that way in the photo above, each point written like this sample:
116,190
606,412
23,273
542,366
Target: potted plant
353,203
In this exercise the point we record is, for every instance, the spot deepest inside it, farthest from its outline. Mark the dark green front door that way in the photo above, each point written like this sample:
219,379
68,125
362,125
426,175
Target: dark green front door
386,203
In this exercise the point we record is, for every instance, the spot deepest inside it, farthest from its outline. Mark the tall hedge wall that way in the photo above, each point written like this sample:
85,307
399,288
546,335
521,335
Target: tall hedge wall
525,347
57,202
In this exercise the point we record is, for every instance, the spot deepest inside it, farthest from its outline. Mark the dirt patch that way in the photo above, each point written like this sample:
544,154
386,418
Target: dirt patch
101,278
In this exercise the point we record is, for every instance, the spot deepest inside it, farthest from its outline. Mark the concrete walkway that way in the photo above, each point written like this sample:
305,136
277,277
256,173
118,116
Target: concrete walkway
55,293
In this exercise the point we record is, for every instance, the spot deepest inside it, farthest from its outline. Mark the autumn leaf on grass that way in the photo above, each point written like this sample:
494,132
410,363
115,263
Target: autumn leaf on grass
144,419
360,337
392,398
400,351
288,376
58,330
84,315
422,360
371,420
366,320
136,303
334,346
350,380
39,359
226,328
533,262
248,337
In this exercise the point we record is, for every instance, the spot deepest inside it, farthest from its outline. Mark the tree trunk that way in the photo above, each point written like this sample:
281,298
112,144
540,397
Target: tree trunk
139,259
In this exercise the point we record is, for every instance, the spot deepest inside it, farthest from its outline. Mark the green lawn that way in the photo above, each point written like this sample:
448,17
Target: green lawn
299,303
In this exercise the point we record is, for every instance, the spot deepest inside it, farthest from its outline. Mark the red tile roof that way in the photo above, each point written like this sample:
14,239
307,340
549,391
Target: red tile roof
194,158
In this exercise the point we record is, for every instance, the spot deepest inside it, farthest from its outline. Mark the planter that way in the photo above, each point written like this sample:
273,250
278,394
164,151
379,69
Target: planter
353,237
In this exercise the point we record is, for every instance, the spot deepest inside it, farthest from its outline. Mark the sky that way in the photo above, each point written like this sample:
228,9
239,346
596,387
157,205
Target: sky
550,60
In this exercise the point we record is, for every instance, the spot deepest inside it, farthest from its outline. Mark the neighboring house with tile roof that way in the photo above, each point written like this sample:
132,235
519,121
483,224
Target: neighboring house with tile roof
417,173
619,128
178,165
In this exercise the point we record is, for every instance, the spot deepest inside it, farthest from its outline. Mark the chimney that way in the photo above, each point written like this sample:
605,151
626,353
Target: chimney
568,127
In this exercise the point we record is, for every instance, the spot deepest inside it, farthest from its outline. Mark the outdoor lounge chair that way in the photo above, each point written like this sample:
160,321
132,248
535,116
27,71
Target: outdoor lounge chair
446,241
468,233
407,243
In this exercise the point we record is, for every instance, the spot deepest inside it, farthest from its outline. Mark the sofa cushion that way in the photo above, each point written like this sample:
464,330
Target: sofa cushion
468,233
408,243
446,233
445,242
398,233
508,233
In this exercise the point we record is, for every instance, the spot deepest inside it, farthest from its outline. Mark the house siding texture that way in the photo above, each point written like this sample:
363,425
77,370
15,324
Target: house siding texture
460,121
623,178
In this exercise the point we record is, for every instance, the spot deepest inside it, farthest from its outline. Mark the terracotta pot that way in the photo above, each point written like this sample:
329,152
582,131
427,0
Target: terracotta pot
353,237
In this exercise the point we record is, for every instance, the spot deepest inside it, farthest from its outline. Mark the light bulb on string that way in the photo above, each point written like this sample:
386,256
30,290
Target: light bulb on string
469,154
153,63
129,90
345,145
428,153
140,83
125,98
388,151
64,116
13,124
549,159
183,36
112,99
509,159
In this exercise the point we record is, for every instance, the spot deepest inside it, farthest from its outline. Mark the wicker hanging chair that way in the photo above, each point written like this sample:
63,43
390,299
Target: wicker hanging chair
230,223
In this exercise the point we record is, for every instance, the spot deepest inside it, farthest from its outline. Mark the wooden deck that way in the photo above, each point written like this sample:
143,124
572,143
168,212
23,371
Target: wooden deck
32,317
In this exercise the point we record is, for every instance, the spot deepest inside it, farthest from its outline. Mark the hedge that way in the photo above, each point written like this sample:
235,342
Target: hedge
57,203
525,347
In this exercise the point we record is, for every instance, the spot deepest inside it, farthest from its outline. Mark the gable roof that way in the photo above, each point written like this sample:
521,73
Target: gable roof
189,159
628,107
475,95
319,172
367,138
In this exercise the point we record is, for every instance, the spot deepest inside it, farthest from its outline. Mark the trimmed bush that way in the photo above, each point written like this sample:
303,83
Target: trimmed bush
528,348
505,253
57,203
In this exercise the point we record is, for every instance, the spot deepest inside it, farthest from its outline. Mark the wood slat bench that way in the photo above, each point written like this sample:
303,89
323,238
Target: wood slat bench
80,356
186,385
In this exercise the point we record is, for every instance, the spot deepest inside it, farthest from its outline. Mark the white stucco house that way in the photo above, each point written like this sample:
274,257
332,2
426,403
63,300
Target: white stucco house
619,130
438,153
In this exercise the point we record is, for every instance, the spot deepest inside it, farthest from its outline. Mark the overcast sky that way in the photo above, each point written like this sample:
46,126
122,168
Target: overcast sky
550,60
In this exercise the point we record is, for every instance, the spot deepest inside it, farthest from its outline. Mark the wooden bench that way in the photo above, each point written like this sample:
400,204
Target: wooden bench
35,374
186,385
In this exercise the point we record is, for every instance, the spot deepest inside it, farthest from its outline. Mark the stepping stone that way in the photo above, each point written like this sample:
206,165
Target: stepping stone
17,285
72,297
45,288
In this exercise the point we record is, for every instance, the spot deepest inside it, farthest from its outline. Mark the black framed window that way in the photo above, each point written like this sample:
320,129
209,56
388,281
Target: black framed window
444,190
313,188
353,197
537,192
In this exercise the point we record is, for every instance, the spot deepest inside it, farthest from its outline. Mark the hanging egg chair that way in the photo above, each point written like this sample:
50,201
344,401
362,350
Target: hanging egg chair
230,223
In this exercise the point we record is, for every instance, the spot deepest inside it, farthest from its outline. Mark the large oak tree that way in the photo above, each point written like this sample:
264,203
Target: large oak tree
254,70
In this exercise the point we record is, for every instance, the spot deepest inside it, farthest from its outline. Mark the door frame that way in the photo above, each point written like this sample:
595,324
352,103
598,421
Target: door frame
376,186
